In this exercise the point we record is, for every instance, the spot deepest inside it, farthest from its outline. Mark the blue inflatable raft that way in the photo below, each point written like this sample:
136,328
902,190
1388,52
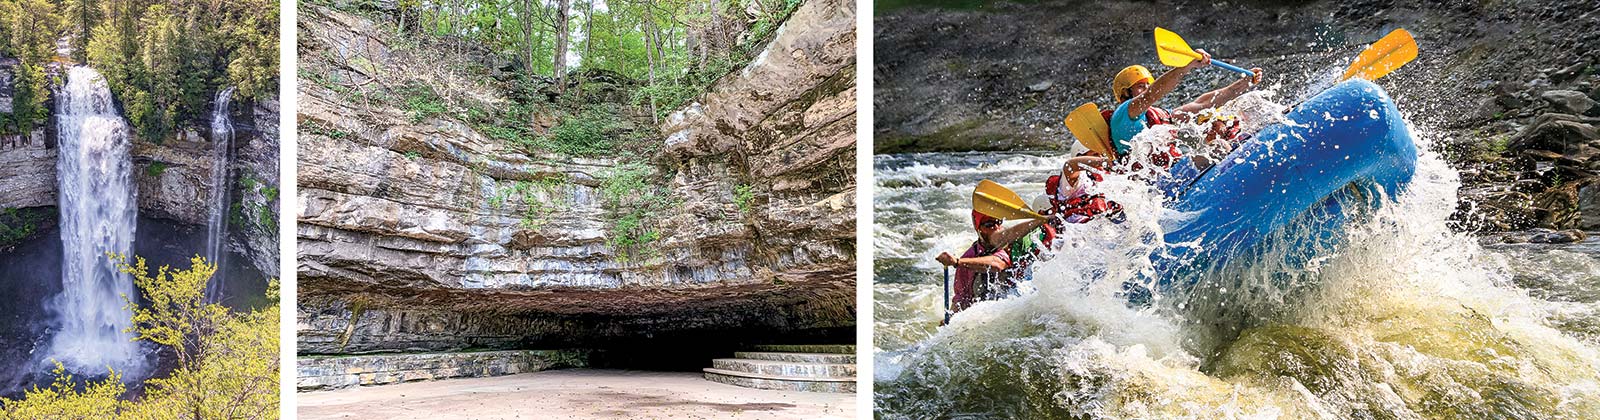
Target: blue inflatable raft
1345,152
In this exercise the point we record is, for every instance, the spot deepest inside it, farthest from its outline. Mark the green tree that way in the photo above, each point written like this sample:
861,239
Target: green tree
33,25
81,18
166,59
227,361
157,105
27,29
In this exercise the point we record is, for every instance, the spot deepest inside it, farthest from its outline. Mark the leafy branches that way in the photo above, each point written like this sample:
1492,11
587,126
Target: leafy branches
228,361
635,204
536,209
176,316
63,400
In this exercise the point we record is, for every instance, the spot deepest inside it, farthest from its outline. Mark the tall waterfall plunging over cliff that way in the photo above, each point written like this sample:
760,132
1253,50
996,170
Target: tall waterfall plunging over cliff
217,223
97,217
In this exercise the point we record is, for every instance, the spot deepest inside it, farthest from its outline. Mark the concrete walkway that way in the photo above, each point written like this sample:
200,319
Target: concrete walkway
574,394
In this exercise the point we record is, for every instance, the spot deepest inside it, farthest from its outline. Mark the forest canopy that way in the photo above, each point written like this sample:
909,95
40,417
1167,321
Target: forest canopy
678,47
163,59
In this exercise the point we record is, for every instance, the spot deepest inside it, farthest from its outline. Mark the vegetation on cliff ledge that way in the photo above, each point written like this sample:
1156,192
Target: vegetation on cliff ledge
17,225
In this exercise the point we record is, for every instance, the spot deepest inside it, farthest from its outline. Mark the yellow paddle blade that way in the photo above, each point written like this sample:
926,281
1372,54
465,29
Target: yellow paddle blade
1172,50
1090,128
995,189
995,200
1394,50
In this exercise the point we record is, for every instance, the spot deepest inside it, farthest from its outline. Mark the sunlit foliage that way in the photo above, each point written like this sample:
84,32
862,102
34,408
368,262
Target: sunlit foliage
228,362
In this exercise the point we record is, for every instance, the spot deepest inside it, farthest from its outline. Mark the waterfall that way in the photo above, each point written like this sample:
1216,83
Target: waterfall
97,216
217,223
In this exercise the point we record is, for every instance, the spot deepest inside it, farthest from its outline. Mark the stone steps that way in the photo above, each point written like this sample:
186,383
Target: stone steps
808,348
787,369
751,380
797,357
813,368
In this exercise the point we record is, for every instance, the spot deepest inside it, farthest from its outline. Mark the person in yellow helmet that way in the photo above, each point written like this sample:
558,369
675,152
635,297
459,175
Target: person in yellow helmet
1136,94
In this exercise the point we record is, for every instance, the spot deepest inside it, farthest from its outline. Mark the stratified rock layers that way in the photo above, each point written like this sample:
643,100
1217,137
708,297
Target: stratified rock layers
27,171
319,373
403,245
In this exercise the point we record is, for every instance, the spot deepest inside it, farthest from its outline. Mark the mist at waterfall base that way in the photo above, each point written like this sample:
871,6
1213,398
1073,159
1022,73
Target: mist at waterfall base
65,297
1407,319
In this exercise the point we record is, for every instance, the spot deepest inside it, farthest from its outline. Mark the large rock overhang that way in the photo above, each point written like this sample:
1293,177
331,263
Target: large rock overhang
344,316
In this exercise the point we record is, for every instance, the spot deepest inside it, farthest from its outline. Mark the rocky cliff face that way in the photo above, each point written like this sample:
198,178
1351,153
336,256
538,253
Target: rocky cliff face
174,181
27,171
407,242
1002,76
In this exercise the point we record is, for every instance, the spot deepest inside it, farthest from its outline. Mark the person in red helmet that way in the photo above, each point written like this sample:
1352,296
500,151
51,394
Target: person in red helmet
988,270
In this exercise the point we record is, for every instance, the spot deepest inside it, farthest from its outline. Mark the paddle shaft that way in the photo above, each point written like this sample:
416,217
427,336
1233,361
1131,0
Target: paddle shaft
1216,62
946,295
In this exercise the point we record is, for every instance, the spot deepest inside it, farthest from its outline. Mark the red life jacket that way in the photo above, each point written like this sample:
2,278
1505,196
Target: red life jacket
1154,115
1086,205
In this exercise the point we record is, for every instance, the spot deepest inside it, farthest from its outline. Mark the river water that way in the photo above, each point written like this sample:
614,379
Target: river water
1408,320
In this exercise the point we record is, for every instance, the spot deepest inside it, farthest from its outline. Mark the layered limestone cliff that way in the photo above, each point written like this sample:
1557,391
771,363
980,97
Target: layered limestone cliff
27,170
407,242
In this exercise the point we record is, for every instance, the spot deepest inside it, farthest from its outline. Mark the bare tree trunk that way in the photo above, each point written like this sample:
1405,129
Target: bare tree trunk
588,39
650,58
455,24
588,30
560,69
527,33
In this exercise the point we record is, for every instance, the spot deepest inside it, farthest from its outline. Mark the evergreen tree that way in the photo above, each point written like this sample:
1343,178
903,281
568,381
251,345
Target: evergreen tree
26,33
